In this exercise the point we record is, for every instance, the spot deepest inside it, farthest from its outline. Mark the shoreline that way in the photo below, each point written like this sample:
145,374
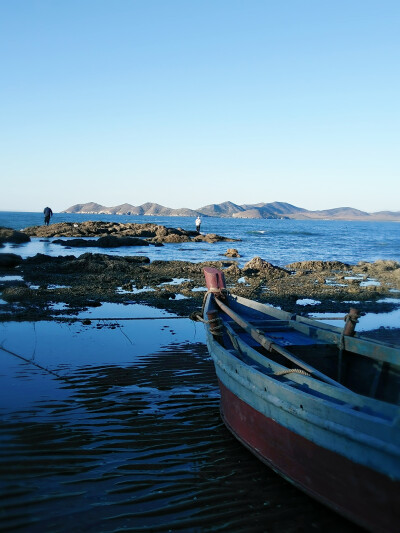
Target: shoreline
32,287
54,288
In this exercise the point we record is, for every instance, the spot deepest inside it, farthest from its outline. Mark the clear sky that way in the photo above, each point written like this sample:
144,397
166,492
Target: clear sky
192,102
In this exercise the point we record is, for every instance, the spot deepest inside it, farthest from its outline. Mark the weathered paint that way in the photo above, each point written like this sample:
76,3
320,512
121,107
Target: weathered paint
215,279
365,496
340,447
366,436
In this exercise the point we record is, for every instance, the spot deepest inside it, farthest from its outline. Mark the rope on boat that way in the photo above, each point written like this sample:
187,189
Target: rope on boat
126,318
197,316
348,318
291,371
329,318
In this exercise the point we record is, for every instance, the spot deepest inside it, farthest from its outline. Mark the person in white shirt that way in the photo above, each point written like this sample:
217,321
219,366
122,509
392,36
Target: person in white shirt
198,224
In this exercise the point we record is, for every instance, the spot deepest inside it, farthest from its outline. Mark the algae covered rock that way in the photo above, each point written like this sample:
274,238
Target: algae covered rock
260,267
14,236
316,266
10,260
232,252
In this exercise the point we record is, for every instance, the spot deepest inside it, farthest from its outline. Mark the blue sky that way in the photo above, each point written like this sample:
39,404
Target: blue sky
192,102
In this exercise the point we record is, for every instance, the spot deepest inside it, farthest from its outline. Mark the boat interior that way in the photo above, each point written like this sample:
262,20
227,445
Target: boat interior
366,367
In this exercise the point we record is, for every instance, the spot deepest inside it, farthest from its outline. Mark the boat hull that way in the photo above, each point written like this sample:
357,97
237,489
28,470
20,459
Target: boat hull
359,493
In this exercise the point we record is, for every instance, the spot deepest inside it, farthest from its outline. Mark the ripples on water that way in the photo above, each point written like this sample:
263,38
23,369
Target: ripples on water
129,438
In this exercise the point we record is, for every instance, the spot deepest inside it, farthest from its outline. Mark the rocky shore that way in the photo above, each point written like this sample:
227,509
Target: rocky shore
178,286
112,234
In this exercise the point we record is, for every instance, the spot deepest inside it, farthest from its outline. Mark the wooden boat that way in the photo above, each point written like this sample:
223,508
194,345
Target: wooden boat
318,404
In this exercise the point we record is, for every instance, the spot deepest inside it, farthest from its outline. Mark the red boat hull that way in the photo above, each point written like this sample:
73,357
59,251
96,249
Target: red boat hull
364,496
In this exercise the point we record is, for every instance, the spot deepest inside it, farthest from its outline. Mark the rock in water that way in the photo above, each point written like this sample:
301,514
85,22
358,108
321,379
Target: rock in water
10,260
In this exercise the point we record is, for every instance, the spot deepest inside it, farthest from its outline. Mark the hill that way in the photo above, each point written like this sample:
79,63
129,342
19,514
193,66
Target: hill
147,209
232,210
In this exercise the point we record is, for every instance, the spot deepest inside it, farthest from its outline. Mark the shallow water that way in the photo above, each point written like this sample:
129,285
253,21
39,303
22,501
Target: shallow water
11,278
125,435
369,321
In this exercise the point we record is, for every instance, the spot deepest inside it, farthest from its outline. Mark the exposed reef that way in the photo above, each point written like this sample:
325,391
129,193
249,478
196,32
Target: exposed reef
111,234
178,286
38,283
12,235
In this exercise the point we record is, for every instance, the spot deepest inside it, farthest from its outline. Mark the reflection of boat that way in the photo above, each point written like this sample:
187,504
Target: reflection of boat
318,405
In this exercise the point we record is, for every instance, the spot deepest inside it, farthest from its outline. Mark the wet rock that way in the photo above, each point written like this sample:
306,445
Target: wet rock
42,258
213,237
113,241
258,266
383,265
167,295
77,243
109,241
16,294
232,252
11,235
385,271
136,259
396,277
233,271
317,265
176,238
352,281
378,267
161,232
10,260
154,232
92,303
362,266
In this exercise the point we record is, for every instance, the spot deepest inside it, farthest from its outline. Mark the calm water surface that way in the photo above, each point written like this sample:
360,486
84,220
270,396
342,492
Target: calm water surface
125,435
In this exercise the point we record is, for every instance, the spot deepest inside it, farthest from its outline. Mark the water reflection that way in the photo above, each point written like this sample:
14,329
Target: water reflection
129,437
368,322
11,278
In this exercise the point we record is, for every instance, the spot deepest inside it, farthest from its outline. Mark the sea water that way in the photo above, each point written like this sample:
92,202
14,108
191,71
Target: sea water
279,241
102,431
115,426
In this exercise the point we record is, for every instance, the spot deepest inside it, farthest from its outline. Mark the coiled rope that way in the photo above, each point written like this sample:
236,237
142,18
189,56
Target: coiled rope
291,371
197,316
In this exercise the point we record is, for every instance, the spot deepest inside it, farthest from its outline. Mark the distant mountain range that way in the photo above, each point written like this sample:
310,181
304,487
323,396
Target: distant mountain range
231,210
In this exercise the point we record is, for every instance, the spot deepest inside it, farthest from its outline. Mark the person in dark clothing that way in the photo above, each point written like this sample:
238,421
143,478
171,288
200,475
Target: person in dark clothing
48,213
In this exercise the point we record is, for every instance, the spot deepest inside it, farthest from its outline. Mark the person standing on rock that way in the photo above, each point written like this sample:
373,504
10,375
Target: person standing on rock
48,213
198,224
